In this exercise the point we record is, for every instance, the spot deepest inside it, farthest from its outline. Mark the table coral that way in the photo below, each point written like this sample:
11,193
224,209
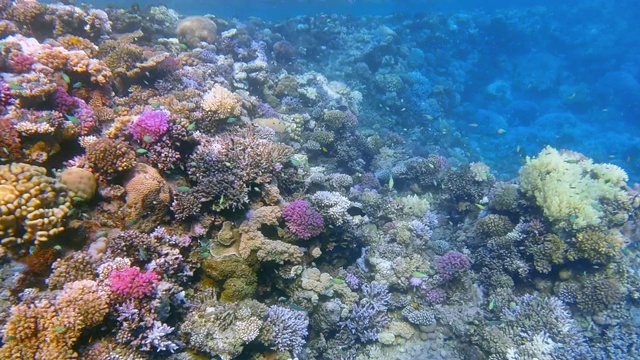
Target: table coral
32,206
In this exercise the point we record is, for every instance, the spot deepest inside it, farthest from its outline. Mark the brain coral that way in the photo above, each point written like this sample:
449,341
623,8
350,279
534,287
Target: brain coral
32,205
573,192
194,29
148,197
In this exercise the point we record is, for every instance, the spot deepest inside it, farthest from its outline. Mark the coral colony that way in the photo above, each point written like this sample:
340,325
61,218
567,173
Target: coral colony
206,188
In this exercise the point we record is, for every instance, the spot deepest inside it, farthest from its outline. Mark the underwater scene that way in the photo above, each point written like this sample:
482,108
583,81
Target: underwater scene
320,180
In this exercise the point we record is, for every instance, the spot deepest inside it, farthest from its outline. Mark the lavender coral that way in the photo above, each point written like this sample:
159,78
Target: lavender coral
285,329
302,219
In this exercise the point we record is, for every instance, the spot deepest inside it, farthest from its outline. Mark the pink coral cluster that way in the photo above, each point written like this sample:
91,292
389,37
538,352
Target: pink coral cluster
452,263
303,220
132,283
150,125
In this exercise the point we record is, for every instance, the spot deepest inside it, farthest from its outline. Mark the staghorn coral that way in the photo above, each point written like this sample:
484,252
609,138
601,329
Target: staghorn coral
110,158
33,205
48,329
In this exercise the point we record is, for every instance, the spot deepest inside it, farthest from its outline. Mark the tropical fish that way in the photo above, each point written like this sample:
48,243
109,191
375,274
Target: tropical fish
501,131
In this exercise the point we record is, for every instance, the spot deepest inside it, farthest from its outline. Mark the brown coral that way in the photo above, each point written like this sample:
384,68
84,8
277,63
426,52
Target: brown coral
194,29
110,158
148,197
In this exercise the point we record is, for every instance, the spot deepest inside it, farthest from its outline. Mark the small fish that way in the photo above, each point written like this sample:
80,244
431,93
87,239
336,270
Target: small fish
77,85
419,274
155,105
518,149
142,151
571,161
66,78
231,120
570,97
473,125
492,304
501,131
14,86
73,119
58,247
295,162
325,149
338,281
147,138
221,203
59,329
78,199
183,188
429,117
191,126
390,182
135,8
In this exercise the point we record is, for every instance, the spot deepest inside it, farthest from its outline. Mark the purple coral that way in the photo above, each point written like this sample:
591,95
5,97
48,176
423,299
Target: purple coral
72,107
435,296
365,322
150,125
303,221
285,329
452,263
352,281
415,281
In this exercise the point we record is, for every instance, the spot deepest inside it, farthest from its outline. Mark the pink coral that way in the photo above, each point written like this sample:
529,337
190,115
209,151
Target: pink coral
150,125
132,283
303,220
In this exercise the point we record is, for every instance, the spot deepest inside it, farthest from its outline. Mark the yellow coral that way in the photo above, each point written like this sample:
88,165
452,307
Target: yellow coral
572,191
32,205
220,103
48,329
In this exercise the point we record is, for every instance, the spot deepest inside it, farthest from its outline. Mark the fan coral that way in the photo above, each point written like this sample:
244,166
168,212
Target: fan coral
32,206
110,158
132,283
150,125
302,219
285,329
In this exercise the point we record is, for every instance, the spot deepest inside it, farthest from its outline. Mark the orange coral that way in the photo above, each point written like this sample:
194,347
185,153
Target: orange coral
48,329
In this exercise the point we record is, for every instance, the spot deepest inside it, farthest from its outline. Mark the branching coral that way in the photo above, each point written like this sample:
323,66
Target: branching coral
220,103
48,329
302,219
285,329
226,165
110,158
